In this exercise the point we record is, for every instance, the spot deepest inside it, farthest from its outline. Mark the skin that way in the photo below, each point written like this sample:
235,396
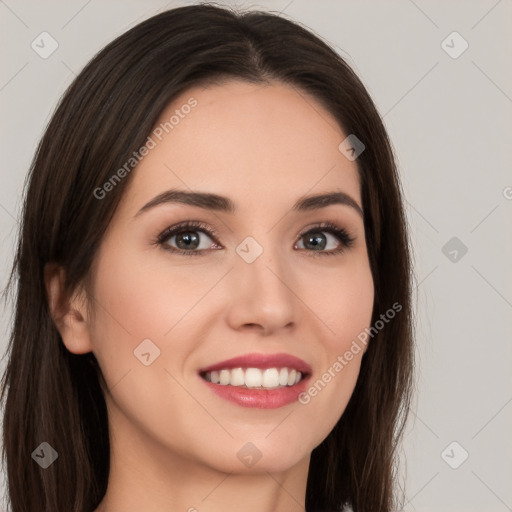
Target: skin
174,443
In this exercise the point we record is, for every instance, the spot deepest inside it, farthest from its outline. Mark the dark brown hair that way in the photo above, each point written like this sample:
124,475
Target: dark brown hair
105,115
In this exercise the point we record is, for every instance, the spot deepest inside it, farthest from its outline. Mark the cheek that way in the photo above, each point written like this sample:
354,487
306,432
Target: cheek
350,313
343,301
132,304
139,299
345,305
142,300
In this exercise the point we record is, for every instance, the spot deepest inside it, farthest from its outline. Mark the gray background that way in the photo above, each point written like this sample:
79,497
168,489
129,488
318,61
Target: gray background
450,123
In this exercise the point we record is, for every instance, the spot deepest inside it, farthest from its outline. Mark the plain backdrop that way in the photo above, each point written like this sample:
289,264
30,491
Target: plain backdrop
448,112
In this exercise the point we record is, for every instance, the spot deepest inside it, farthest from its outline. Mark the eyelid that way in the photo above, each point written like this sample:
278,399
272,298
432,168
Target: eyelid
191,225
345,238
188,224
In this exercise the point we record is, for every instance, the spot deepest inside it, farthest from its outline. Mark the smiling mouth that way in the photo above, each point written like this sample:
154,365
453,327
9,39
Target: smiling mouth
255,378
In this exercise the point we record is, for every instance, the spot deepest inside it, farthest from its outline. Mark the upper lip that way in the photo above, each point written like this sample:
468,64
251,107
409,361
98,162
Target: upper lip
261,361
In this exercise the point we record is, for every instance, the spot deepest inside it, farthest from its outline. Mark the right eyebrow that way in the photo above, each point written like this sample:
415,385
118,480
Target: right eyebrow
204,200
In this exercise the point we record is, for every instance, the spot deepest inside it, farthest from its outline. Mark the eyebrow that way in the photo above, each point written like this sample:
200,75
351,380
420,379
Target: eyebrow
215,202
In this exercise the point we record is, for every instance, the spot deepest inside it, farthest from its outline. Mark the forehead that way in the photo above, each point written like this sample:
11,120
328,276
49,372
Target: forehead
256,143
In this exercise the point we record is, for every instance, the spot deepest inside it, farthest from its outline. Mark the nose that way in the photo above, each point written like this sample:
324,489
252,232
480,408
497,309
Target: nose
262,295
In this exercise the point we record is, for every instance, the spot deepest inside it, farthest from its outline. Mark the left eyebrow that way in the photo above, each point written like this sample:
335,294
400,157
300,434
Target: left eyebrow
315,202
216,202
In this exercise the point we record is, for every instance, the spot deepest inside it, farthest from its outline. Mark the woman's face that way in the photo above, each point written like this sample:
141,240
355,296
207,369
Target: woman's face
168,306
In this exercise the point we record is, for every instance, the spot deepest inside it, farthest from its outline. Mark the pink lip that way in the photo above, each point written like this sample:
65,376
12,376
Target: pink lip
260,398
261,361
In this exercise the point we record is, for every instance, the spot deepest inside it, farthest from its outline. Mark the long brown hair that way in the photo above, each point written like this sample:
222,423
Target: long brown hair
105,115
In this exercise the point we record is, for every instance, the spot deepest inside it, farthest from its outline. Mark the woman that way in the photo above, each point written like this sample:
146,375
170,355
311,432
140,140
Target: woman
213,281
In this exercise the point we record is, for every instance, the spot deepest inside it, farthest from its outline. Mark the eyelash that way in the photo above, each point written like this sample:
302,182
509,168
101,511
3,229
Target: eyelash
328,227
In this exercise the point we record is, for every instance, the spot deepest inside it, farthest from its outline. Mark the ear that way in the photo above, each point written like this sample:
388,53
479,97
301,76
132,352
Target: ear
69,313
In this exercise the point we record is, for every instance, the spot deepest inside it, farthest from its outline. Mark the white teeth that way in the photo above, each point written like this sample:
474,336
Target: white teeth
237,377
224,377
253,377
269,378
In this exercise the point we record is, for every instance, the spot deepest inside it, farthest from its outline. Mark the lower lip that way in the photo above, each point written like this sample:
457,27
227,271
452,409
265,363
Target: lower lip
259,398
